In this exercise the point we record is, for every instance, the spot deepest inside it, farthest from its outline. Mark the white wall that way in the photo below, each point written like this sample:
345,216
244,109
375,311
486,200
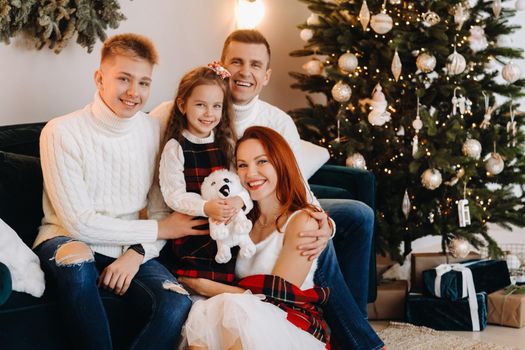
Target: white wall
39,85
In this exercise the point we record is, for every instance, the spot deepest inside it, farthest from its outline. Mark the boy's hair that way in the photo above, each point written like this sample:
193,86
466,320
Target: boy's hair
130,44
225,136
247,36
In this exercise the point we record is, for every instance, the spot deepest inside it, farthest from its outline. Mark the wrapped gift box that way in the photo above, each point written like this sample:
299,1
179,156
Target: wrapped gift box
425,261
442,314
488,276
390,302
506,310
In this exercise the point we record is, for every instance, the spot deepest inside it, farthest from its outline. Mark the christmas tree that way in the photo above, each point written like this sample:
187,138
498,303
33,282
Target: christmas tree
424,95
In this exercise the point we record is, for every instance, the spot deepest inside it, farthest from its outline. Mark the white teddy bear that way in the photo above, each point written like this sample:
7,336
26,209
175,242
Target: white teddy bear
226,184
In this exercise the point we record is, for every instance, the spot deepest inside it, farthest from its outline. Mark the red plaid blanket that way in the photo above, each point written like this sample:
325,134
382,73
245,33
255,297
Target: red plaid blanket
302,306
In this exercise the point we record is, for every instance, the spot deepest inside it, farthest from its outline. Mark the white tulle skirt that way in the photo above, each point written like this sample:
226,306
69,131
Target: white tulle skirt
216,324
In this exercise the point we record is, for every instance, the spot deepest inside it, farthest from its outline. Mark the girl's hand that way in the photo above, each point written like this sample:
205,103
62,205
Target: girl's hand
322,235
219,210
235,202
117,276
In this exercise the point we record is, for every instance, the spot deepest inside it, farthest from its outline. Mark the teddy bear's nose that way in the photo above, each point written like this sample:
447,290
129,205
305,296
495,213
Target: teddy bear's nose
225,190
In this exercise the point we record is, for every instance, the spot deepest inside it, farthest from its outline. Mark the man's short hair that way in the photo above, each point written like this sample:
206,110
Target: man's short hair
247,36
130,44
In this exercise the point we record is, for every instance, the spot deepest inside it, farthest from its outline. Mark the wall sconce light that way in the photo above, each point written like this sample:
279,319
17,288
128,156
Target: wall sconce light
249,13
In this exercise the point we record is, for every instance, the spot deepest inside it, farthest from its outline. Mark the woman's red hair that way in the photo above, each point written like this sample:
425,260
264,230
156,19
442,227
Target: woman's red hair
291,188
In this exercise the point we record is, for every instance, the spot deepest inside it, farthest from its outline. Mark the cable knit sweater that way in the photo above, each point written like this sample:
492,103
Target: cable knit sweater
98,174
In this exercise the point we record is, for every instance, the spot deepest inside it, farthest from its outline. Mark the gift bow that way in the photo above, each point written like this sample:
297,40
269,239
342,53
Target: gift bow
468,288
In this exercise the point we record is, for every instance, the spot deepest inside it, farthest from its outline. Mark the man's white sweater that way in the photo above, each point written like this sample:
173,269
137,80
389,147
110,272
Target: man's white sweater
98,173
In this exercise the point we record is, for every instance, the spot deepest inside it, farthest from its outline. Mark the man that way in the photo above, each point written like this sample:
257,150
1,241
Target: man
246,54
98,167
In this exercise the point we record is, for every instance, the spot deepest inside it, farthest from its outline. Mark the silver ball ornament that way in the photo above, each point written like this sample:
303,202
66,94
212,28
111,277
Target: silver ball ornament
306,34
347,62
341,92
456,63
381,23
472,148
356,160
511,72
313,67
431,179
459,248
313,20
494,163
426,62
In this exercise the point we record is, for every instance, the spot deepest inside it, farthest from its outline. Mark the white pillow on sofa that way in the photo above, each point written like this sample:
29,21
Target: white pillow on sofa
22,262
312,158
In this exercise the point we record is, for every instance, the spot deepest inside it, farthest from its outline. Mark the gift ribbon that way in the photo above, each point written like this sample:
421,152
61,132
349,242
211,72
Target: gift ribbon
468,288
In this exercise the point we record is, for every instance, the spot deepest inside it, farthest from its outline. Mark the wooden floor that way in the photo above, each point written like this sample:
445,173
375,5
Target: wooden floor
507,336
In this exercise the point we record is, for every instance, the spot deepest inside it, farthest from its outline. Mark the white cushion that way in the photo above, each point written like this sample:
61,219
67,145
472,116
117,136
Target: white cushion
312,157
22,262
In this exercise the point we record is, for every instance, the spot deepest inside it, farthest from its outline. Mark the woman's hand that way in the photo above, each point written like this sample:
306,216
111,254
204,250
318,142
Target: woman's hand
322,235
117,276
219,210
206,287
177,225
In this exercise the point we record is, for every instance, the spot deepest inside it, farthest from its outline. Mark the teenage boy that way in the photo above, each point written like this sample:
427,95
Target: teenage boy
246,54
98,168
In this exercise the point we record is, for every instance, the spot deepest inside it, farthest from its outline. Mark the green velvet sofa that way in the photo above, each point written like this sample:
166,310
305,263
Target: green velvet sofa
27,322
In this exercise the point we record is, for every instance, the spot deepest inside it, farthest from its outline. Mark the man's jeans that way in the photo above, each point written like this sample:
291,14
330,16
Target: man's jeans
164,311
345,271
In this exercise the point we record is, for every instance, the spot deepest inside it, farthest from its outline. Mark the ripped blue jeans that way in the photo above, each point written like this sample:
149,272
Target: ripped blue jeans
163,310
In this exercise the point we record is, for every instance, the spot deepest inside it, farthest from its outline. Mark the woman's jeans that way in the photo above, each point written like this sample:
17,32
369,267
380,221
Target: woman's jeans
345,310
164,311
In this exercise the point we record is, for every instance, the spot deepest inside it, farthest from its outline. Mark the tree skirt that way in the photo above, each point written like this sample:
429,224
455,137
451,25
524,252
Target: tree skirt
405,336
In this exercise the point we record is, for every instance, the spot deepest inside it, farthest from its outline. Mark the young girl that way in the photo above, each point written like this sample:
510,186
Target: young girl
199,140
287,315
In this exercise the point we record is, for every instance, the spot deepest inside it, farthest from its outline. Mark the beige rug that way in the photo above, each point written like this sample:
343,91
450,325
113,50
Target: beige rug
405,336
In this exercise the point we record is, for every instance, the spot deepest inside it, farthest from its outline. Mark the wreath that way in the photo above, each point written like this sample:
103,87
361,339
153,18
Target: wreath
53,23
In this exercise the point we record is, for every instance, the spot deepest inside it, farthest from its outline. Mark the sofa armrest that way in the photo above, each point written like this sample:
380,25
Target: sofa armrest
5,283
344,182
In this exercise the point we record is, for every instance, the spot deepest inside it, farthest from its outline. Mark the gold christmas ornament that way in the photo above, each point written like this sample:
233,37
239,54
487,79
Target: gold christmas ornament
459,248
381,23
461,14
313,67
430,19
494,163
472,148
396,66
341,92
456,63
306,34
364,15
426,62
379,115
347,62
431,179
406,205
496,7
511,72
356,160
477,39
313,20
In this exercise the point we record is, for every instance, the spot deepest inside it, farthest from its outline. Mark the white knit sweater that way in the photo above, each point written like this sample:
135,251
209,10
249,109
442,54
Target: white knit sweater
98,173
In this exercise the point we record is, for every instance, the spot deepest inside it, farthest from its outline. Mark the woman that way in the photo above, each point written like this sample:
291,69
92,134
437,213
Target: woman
286,316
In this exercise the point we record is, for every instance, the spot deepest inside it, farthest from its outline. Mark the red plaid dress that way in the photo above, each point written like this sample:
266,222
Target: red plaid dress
194,256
